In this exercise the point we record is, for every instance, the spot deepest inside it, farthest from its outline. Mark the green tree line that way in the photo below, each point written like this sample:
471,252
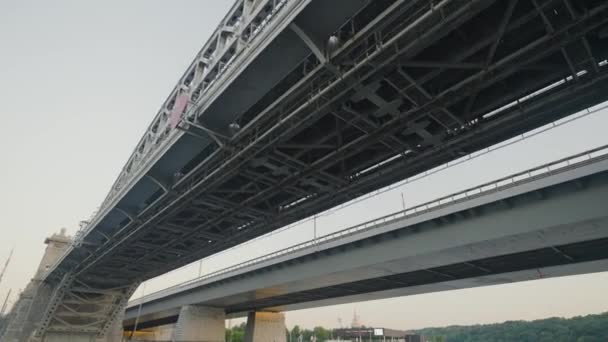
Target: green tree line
237,334
592,328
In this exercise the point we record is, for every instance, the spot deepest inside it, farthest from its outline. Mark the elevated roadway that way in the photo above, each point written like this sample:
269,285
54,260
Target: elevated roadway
295,106
545,222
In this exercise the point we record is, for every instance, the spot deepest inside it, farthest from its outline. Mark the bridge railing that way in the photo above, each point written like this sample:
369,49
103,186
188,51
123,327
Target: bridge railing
555,167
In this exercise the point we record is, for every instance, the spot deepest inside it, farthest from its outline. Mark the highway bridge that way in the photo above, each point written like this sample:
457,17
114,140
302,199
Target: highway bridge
295,106
544,222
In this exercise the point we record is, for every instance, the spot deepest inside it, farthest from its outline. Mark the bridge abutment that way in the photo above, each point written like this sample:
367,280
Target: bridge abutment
57,311
28,310
265,327
198,323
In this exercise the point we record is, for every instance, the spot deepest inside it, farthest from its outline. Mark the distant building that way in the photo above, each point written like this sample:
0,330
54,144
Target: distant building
365,334
360,333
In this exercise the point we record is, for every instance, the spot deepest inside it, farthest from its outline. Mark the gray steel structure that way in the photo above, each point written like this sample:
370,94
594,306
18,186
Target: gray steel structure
294,106
544,222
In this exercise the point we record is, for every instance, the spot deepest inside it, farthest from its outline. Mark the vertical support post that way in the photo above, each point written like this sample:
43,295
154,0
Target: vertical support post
200,323
265,327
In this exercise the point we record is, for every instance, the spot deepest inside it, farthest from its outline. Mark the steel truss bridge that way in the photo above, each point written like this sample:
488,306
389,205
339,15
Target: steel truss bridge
295,106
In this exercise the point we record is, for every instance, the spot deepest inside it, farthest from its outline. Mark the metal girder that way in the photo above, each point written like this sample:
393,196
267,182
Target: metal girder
594,63
160,184
126,213
322,93
426,95
310,43
502,28
212,236
260,179
391,142
442,65
227,204
220,139
312,167
467,9
550,29
148,246
298,165
473,49
59,292
456,16
307,146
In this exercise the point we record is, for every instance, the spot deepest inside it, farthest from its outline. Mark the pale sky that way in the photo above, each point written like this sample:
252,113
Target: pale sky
80,81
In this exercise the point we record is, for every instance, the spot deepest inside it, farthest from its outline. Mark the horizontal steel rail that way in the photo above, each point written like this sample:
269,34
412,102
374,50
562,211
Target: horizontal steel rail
530,175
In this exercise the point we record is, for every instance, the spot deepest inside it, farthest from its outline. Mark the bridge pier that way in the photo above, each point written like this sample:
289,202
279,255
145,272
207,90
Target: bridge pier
27,312
198,323
265,327
40,316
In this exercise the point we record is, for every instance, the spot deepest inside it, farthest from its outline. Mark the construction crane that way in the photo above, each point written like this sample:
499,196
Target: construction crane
6,265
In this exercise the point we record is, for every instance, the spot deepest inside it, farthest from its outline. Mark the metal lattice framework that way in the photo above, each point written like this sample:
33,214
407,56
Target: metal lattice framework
233,38
358,139
77,307
409,85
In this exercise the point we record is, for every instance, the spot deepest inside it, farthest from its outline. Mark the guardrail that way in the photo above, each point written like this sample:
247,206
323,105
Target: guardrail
545,170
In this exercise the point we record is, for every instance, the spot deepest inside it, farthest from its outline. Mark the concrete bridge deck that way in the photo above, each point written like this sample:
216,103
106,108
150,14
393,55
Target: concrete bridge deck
545,222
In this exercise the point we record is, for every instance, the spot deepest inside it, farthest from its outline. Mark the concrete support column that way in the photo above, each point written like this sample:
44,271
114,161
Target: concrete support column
200,324
265,327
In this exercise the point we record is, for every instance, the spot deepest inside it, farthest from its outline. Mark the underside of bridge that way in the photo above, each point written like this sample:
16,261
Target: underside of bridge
531,260
422,87
552,231
348,97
